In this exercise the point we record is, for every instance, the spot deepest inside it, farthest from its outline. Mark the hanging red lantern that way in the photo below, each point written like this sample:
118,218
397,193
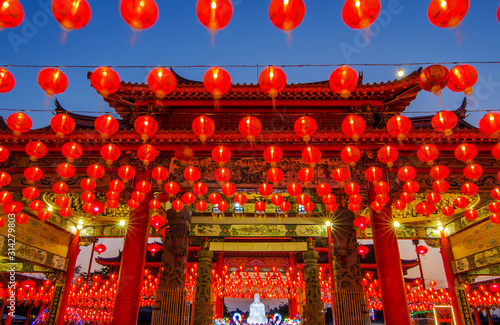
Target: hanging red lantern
303,198
240,198
110,152
65,170
65,212
433,198
88,197
11,14
143,186
287,14
407,197
311,155
471,214
273,155
427,153
139,14
35,150
200,189
434,78
362,250
4,154
473,171
495,151
201,206
309,207
126,172
172,188
162,82
381,187
340,175
214,198
71,14
351,188
306,175
178,205
381,198
250,127
462,78
214,14
350,155
272,80
184,154
5,179
376,206
106,125
37,205
44,215
421,250
495,193
5,197
399,126
99,248
305,127
411,187
160,174
343,81
494,287
105,81
494,207
469,189
361,222
444,121
19,123
217,81
407,173
495,218
353,126
331,208
353,206
440,186
277,199
323,189
275,175
203,127
13,207
154,247
22,218
72,151
33,174
466,152
447,14
222,206
359,14
461,202
62,124
146,126
489,124
399,205
448,210
439,172
188,198
388,155
222,175
112,204
60,188
7,81
228,189
265,189
95,171
221,155
112,195
294,189
62,201
373,174
358,198
52,81
260,206
147,153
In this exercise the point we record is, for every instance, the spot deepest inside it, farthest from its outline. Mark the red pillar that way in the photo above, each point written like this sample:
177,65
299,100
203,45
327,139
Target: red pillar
28,314
219,302
332,271
490,320
292,308
128,294
476,315
8,320
73,251
42,308
447,255
389,268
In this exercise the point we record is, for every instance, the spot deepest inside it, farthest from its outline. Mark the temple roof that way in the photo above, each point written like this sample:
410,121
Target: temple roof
461,113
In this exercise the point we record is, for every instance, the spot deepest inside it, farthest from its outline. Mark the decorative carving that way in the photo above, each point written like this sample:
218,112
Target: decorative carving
368,113
433,242
314,307
203,311
466,278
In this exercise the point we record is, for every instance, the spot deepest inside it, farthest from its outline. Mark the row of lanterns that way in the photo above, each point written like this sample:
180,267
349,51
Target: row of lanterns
216,14
272,80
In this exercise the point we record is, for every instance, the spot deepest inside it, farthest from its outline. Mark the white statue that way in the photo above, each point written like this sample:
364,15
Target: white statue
257,312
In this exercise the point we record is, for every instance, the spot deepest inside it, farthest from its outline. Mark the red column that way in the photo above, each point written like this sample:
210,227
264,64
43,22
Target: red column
332,271
490,320
476,315
447,255
128,294
42,308
73,251
28,314
8,320
292,308
219,302
389,268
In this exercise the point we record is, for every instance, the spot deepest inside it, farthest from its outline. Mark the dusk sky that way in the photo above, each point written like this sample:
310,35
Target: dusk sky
402,34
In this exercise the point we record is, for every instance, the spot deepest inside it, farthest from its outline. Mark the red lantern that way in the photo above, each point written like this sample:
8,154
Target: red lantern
294,189
358,199
273,155
275,175
495,193
494,207
62,124
62,201
388,155
162,82
44,215
340,175
439,172
461,202
495,218
188,198
105,80
214,14
228,189
407,173
434,78
353,126
381,187
421,250
494,287
444,121
306,175
471,214
160,174
11,14
466,152
112,195
411,187
154,247
350,155
222,206
36,150
37,205
447,14
433,198
221,155
33,174
398,126
343,81
277,199
489,124
13,207
407,197
178,205
217,81
214,198
373,174
60,188
448,210
139,14
250,127
99,248
324,189
200,189
495,151
65,170
331,208
311,155
19,123
145,126
361,222
71,14
440,186
222,175
265,189
203,127
351,188
399,205
143,186
5,197
353,206
303,198
65,212
95,171
201,206
240,198
126,172
52,81
272,80
309,207
376,206
72,151
7,81
359,14
362,250
288,14
22,218
88,197
473,171
260,206
147,153
106,125
4,154
305,127
5,179
462,78
381,198
427,153
172,188
110,153
469,189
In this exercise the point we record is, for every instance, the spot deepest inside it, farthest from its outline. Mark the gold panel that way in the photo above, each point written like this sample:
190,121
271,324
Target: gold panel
258,247
476,239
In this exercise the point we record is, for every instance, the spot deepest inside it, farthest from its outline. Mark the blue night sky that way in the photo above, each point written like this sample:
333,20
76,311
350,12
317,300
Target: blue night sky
402,34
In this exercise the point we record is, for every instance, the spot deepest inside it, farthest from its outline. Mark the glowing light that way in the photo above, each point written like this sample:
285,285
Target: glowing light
440,228
80,222
6,4
443,4
396,224
122,223
213,5
215,75
49,208
328,223
79,227
358,3
401,73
